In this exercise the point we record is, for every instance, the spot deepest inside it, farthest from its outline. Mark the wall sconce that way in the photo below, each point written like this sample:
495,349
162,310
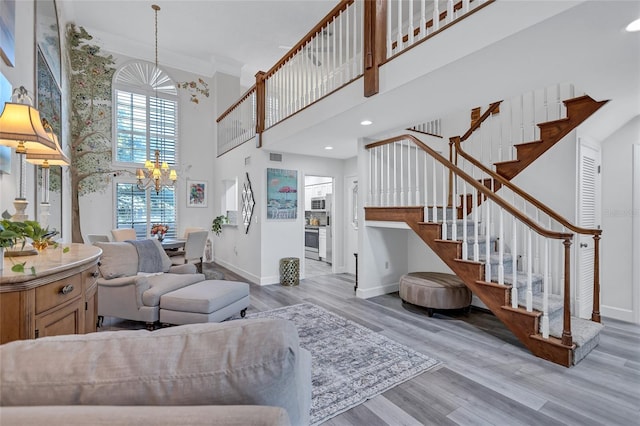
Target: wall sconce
21,128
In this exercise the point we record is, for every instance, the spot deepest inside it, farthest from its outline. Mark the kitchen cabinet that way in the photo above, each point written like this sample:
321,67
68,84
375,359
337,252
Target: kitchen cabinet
322,243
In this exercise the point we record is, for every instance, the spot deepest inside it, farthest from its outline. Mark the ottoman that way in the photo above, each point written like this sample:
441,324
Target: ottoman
205,301
434,290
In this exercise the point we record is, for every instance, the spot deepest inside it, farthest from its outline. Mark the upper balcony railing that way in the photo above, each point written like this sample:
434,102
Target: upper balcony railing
352,41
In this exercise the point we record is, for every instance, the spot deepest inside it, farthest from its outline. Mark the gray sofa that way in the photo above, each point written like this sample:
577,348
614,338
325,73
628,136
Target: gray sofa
125,292
242,372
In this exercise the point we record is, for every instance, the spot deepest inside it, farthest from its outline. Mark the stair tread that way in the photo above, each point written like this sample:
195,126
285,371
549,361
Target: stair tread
582,330
556,302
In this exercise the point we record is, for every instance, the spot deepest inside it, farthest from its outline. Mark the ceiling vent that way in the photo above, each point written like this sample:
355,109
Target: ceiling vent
275,157
247,160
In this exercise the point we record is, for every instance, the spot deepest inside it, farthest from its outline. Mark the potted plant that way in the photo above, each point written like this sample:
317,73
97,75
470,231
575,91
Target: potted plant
8,238
216,225
41,237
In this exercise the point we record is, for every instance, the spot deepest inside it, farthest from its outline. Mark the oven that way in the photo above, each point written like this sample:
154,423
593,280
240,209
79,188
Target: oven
312,243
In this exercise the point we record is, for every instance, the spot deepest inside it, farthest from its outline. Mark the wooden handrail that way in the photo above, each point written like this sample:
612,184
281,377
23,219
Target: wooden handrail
477,185
476,124
291,53
560,219
237,104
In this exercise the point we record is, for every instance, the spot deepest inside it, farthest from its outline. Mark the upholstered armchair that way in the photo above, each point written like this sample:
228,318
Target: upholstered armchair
130,285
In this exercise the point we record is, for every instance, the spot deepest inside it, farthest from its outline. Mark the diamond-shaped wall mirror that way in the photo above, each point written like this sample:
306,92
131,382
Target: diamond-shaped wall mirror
247,204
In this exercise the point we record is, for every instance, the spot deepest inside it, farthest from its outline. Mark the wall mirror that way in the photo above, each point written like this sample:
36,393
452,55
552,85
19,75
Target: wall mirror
48,101
248,203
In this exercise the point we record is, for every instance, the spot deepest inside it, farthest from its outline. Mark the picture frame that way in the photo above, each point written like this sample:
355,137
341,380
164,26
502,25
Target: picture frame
197,193
8,31
282,194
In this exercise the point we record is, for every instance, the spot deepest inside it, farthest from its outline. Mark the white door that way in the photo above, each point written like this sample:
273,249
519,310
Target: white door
351,222
589,181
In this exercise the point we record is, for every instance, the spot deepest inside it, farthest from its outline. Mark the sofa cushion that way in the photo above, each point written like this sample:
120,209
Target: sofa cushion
164,283
205,297
119,259
246,362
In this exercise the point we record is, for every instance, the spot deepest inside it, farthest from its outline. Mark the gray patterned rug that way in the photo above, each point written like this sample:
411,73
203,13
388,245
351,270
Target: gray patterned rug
350,363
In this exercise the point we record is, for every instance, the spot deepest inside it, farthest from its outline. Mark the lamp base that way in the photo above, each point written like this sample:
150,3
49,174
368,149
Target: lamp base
21,207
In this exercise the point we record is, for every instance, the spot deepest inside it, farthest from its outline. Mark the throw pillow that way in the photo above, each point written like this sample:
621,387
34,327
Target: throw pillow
119,259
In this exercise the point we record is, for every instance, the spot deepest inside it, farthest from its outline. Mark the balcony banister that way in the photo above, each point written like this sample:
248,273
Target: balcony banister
235,105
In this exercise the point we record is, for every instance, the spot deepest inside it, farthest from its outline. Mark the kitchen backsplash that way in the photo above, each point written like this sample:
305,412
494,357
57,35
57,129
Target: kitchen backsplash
321,216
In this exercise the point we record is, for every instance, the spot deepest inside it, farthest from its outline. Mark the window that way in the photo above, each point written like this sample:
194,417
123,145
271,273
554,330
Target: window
140,209
146,112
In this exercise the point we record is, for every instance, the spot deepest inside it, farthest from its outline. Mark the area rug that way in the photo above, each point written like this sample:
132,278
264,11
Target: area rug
350,363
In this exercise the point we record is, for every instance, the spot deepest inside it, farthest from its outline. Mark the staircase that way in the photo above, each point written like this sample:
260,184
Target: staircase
532,299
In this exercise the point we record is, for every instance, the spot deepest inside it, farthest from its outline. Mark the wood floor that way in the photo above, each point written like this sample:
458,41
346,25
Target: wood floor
486,377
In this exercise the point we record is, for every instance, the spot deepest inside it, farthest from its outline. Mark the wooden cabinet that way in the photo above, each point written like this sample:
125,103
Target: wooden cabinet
61,298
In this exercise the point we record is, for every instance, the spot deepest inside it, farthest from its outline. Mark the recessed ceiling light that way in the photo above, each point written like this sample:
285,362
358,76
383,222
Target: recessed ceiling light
328,147
366,122
634,26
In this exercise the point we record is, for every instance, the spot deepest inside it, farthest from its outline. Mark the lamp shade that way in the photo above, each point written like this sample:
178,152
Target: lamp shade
20,124
43,157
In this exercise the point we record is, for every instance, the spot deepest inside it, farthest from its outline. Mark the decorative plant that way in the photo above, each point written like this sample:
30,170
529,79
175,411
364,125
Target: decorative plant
159,229
9,234
40,237
216,225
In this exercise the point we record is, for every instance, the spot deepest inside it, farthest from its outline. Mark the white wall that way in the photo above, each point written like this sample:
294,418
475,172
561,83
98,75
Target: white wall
618,290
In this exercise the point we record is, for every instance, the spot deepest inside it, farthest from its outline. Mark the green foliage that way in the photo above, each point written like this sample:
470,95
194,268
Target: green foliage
216,225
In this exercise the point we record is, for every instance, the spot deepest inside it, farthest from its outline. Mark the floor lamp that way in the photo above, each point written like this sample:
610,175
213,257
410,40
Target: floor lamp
21,128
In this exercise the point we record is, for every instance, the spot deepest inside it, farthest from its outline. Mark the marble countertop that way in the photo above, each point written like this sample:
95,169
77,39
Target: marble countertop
49,262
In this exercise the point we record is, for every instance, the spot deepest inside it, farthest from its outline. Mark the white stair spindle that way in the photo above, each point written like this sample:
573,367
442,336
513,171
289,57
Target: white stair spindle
529,273
409,186
345,71
436,16
444,203
423,19
450,16
410,24
500,246
454,210
434,217
545,292
426,180
370,201
395,174
514,263
465,244
401,189
389,36
487,241
418,192
465,6
476,224
389,167
399,35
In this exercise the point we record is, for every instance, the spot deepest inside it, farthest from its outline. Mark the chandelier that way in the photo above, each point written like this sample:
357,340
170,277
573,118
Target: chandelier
155,174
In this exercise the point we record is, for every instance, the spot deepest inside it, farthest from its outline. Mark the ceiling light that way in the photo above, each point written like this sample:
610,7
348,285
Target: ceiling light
328,148
634,26
366,122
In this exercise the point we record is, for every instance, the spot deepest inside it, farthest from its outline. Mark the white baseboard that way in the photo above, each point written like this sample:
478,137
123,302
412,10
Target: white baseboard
244,274
377,291
617,313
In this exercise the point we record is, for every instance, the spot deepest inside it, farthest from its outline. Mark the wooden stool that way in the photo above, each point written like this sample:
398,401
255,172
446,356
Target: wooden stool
434,290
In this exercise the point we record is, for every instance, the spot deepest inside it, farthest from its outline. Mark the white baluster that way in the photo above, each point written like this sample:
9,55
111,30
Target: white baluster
514,263
444,203
409,187
399,36
426,181
465,244
529,274
454,210
389,36
371,202
434,218
410,24
465,6
423,19
388,175
436,16
500,246
487,241
417,177
450,16
545,292
476,224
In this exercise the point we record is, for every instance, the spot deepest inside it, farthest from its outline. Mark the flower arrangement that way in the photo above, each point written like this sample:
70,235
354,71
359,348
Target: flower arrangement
159,230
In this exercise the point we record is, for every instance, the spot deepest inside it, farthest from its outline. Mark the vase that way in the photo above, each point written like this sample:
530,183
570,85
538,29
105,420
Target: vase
160,237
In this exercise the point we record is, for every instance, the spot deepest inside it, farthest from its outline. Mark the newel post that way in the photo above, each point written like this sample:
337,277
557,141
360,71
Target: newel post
261,102
375,48
567,340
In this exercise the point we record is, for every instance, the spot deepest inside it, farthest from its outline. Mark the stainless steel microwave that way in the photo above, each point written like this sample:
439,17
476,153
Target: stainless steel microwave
318,203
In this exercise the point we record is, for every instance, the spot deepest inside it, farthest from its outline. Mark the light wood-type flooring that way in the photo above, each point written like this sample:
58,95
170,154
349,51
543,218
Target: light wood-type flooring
486,376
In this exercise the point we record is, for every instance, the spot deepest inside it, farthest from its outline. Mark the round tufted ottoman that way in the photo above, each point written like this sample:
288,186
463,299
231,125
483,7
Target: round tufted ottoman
434,290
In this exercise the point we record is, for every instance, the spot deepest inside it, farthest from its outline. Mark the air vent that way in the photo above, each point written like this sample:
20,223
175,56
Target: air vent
247,160
275,157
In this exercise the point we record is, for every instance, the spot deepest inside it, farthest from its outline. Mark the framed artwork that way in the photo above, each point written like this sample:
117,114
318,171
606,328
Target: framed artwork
196,193
248,203
282,194
5,151
8,31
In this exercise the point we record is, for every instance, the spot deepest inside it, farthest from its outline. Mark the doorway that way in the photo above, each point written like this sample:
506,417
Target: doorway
318,223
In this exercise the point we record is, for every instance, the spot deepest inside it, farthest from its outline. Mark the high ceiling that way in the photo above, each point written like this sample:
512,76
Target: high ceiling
201,36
